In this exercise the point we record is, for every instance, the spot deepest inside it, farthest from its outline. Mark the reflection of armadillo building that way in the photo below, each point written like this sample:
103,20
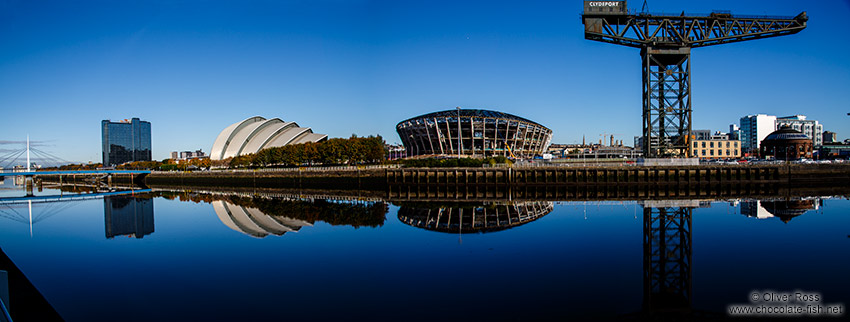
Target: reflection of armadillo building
128,216
465,218
253,222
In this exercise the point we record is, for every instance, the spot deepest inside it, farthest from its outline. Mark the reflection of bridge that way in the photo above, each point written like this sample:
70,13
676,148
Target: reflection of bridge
68,197
54,204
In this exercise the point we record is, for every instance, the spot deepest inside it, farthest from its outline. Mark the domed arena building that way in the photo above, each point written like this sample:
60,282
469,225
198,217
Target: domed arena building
786,144
256,133
482,133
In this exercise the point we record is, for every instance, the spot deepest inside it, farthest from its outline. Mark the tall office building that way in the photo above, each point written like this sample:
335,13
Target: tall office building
755,128
126,141
799,122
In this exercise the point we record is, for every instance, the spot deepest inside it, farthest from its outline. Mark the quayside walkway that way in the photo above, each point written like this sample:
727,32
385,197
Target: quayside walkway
63,172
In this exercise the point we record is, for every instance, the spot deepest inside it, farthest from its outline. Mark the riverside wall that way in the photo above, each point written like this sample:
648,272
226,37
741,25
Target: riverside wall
384,178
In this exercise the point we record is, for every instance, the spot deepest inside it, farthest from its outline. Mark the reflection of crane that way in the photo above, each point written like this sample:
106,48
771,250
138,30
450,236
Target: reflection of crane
665,42
667,259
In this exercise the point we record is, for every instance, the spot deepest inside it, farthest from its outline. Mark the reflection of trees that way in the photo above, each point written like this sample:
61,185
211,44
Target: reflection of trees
471,217
355,214
77,189
371,214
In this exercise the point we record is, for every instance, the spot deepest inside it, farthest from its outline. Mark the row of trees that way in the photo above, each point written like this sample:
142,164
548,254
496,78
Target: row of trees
354,150
166,165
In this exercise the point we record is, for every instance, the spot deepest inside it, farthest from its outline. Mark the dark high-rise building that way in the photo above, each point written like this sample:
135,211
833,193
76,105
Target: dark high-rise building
125,141
128,216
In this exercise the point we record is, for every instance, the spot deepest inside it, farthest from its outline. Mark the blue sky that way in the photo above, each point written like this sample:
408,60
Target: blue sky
193,67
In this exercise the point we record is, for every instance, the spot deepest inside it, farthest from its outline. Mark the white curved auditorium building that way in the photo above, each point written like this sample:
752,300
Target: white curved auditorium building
257,133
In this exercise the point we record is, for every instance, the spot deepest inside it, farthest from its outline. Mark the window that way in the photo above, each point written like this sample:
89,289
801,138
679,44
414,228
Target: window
727,152
710,144
703,152
711,151
727,144
703,145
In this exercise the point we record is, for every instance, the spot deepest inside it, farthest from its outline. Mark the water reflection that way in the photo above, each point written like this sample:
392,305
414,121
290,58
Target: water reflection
472,217
784,209
667,279
633,259
253,222
667,249
262,214
128,216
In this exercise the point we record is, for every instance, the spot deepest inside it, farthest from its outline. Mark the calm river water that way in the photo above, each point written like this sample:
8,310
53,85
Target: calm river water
192,256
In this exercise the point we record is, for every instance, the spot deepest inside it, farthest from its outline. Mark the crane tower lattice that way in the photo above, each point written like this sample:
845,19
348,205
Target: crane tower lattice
665,42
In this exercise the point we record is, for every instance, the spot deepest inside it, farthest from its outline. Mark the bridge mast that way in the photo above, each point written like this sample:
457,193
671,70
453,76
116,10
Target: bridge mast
665,42
28,153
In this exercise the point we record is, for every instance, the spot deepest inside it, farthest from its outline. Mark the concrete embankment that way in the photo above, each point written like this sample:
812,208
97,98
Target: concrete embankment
382,178
331,179
655,175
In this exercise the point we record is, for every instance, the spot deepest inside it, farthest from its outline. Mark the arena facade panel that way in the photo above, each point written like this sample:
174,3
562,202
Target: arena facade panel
482,133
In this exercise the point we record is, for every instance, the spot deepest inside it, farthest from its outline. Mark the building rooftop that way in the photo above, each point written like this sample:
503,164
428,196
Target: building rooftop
786,133
474,112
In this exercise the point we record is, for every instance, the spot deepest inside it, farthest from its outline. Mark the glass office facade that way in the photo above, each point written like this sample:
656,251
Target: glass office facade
128,216
126,141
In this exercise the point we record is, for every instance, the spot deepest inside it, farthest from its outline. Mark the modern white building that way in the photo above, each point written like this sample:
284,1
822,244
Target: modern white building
256,133
754,128
799,122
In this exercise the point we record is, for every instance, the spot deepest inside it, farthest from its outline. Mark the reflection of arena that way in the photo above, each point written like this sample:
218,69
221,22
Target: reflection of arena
466,218
483,133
